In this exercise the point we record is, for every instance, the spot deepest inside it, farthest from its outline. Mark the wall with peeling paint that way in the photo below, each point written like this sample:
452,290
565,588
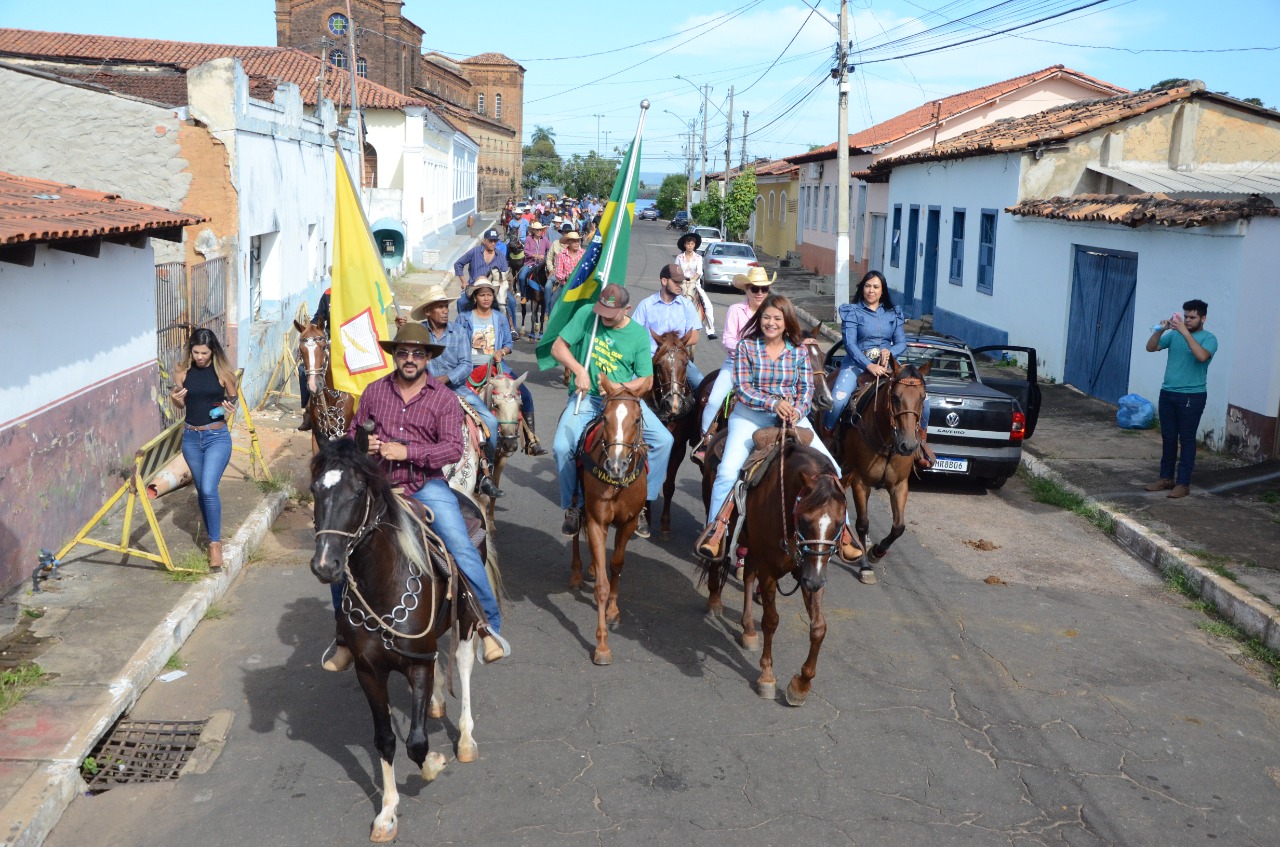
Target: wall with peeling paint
77,392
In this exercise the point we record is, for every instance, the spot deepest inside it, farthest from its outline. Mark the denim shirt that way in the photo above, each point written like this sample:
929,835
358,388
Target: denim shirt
864,328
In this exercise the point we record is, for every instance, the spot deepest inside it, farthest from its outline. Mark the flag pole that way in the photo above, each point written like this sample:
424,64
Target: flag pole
592,343
603,272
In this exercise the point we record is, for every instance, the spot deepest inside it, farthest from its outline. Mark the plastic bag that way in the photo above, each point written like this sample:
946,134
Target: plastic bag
1135,412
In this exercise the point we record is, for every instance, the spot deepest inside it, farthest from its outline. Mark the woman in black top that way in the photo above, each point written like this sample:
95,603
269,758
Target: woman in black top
206,388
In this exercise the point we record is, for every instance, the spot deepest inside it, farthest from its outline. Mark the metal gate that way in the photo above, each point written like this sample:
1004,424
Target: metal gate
186,299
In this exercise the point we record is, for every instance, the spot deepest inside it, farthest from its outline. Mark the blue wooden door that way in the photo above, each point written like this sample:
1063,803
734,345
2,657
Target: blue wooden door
909,270
929,286
1100,332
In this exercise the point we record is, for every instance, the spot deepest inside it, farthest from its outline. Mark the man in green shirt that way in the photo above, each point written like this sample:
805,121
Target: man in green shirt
1183,394
612,344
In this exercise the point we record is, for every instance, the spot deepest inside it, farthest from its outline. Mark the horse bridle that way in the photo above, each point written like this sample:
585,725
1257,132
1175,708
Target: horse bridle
793,543
314,341
634,448
675,389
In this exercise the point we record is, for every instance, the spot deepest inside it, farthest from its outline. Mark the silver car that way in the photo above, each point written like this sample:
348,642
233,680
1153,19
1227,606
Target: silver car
709,235
723,260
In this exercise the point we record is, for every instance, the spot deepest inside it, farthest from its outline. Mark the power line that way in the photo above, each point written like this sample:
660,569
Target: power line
772,64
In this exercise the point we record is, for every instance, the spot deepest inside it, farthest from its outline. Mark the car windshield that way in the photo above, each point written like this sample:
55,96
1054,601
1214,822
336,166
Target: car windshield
734,251
707,232
947,364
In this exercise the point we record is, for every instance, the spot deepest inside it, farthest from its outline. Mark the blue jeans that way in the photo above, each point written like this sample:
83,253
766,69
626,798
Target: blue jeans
1179,422
693,375
474,401
845,383
743,423
440,498
570,428
719,391
207,453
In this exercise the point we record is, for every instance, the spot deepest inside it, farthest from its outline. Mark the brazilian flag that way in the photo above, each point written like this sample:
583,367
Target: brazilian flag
605,259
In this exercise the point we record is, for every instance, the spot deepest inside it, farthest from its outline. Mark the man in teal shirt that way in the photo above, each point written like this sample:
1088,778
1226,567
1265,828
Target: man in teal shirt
610,344
1183,394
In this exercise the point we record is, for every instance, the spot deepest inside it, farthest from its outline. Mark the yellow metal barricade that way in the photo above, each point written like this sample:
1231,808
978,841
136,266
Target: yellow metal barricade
257,464
287,365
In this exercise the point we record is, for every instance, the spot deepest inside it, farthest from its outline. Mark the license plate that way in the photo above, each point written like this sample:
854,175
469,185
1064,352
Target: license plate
951,465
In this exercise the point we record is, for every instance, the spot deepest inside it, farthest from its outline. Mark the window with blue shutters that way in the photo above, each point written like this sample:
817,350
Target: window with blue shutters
957,247
987,251
895,249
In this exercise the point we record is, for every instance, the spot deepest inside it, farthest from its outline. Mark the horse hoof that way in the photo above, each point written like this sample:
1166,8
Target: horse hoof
875,554
714,613
767,690
575,582
867,576
431,767
750,642
469,752
602,657
664,535
436,709
384,833
795,697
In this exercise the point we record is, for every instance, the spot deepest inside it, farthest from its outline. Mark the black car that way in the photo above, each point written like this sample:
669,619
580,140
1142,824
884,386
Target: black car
649,214
680,221
977,422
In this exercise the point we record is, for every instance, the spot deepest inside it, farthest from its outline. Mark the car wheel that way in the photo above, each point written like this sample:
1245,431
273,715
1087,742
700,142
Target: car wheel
994,483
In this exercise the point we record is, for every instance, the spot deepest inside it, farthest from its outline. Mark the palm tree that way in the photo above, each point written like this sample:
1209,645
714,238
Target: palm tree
542,133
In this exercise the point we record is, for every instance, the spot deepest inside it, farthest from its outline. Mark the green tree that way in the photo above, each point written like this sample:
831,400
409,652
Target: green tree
671,195
591,174
740,203
541,161
707,211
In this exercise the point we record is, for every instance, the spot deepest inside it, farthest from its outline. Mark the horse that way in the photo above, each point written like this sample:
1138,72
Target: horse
878,451
330,410
798,539
614,481
675,406
363,531
501,393
533,303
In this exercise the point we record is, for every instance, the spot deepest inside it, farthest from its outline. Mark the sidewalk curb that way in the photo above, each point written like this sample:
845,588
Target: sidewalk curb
826,331
1251,615
33,811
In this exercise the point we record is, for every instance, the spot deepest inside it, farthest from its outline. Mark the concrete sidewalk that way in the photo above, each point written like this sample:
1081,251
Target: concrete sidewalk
108,625
1224,537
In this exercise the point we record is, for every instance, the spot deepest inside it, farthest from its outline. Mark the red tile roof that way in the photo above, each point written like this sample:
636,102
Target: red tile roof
285,64
491,59
927,114
772,167
1138,209
36,210
1057,124
169,89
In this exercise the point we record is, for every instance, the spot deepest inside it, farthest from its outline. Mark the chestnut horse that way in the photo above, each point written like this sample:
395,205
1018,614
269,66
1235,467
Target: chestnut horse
792,527
879,452
615,477
395,607
330,410
675,406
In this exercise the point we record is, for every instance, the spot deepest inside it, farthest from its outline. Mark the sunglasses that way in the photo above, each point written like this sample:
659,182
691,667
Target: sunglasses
404,355
758,289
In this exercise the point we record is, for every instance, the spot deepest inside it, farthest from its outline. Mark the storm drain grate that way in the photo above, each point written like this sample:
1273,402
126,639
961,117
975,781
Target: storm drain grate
142,751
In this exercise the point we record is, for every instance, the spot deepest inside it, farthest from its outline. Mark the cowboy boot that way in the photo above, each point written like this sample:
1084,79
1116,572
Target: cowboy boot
532,447
847,547
215,555
484,481
710,544
337,657
926,458
305,426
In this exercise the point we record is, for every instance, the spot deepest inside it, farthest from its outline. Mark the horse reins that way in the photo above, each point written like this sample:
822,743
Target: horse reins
678,390
635,449
793,543
333,423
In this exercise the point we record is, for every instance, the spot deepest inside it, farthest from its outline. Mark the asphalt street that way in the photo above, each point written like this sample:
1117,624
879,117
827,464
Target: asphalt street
1014,679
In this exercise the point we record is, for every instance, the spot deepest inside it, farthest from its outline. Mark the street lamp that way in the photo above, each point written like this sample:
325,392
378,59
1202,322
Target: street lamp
688,177
597,117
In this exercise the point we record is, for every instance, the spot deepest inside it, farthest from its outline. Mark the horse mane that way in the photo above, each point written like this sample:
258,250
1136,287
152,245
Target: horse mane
343,454
809,460
670,339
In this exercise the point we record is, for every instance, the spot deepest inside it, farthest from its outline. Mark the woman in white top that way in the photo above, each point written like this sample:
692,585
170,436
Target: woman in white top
755,285
691,263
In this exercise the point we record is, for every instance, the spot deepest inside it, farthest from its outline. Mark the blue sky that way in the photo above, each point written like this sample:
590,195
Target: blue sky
733,42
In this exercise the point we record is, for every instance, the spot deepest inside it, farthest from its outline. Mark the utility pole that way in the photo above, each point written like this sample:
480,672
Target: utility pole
842,162
597,117
728,145
702,183
693,151
742,160
355,104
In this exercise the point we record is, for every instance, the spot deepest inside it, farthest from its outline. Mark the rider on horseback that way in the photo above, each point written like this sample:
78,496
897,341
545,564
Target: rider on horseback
615,346
536,247
666,312
417,432
565,263
690,263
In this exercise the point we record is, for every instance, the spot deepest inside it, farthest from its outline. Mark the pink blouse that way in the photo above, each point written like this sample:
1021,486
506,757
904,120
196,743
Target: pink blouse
734,320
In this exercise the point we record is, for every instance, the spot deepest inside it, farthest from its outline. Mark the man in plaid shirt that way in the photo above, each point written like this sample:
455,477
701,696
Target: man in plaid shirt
417,432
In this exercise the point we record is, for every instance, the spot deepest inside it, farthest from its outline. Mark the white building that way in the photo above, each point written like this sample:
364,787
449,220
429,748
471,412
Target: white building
1044,231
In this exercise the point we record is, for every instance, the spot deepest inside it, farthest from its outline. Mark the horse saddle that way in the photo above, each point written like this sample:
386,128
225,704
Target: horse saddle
765,449
475,424
863,394
472,515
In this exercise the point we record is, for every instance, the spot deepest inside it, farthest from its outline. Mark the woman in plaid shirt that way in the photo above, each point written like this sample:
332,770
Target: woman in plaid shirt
774,382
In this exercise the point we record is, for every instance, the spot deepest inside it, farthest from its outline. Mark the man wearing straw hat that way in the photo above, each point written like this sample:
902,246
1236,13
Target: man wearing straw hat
566,261
612,345
417,431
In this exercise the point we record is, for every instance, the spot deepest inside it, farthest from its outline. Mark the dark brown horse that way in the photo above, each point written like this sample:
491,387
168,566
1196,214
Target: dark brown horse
792,527
330,409
395,607
676,407
614,481
533,301
879,452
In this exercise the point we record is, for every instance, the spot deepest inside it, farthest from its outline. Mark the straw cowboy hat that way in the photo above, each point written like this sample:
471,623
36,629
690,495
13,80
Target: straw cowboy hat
433,295
413,333
572,236
536,225
756,276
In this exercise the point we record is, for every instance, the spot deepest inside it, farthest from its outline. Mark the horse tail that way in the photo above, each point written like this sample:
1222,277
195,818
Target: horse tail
491,566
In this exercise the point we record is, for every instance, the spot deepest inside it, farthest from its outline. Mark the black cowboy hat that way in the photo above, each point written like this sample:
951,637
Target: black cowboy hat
697,240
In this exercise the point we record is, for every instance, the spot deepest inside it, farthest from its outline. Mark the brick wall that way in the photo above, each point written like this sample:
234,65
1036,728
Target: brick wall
390,48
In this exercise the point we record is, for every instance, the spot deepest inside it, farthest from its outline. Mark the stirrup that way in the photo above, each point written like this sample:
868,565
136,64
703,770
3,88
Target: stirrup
336,657
492,648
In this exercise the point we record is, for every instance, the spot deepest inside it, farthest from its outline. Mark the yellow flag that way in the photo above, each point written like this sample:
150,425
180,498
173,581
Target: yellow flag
360,296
